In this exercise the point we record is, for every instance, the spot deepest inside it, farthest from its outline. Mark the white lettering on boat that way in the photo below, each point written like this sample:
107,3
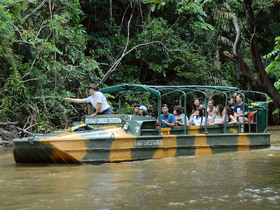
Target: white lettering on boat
103,120
147,143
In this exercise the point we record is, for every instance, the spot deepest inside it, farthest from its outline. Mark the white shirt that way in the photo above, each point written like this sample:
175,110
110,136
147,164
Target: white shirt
197,121
98,97
210,114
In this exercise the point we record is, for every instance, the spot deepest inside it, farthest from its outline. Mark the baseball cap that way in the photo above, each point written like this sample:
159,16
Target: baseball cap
143,108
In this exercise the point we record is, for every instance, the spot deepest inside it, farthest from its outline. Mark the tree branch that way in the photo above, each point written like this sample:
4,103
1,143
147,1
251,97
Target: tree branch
125,52
237,29
37,8
24,131
245,69
28,80
122,20
8,123
40,32
171,27
18,31
114,66
33,63
238,36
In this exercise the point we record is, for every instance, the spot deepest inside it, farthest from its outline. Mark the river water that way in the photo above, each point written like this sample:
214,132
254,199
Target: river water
237,180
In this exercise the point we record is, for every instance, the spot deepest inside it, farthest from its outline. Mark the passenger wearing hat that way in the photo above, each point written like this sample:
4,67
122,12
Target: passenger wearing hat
97,100
167,119
143,111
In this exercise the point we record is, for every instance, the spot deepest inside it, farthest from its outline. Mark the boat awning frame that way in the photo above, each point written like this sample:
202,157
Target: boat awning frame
160,90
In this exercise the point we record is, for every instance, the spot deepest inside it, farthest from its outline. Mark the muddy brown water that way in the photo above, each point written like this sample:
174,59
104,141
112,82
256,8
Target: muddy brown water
237,180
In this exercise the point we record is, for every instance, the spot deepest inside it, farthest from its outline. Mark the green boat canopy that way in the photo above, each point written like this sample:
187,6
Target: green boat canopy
130,87
155,89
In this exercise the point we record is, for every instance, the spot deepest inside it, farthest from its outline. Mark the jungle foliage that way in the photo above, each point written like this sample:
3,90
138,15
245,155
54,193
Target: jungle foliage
51,49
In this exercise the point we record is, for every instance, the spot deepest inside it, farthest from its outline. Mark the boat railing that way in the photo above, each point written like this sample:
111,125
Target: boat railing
253,121
190,130
185,90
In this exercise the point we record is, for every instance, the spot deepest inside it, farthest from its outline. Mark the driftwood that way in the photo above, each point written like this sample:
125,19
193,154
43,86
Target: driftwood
8,123
9,131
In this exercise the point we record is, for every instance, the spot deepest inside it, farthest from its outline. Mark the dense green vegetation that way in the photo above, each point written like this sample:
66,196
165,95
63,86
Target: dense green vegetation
51,49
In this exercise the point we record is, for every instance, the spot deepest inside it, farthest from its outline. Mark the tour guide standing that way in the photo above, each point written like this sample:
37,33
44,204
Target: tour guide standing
167,119
97,100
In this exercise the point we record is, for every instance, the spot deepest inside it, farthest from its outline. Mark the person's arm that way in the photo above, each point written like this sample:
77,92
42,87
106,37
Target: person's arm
233,120
235,112
89,109
183,120
98,107
235,115
170,124
177,122
222,121
76,100
203,120
246,109
212,119
192,121
193,114
187,121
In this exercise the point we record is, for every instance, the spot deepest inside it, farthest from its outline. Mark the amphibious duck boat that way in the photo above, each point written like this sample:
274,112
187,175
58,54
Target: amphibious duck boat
125,137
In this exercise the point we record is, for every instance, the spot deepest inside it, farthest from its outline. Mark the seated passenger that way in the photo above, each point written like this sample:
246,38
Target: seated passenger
210,110
143,111
167,119
230,108
196,105
136,109
178,112
239,113
198,118
218,117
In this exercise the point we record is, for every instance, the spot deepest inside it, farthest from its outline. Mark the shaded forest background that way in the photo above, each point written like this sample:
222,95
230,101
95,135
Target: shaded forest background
52,49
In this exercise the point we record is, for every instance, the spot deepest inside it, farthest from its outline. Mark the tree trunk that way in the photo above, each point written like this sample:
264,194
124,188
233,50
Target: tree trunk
260,78
111,13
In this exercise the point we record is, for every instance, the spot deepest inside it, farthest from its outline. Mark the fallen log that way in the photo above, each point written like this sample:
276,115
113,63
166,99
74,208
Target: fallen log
9,131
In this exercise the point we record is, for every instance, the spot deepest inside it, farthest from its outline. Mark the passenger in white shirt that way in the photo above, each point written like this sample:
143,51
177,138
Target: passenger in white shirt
198,119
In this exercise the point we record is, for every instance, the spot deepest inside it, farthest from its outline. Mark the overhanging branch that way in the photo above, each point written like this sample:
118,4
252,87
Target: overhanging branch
37,8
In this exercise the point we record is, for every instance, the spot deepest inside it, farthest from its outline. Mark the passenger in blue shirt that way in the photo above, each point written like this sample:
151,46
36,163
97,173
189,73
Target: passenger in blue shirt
167,119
